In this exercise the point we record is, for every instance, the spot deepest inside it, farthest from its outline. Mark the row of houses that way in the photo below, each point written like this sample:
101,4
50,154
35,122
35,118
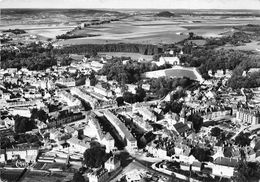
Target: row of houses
128,138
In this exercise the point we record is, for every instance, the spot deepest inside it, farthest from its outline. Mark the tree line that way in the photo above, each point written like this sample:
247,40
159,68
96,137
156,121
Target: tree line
146,49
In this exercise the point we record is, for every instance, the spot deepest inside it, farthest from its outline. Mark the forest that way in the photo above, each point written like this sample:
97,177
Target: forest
146,49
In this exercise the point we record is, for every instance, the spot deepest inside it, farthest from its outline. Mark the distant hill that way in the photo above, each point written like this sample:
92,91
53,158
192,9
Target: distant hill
165,14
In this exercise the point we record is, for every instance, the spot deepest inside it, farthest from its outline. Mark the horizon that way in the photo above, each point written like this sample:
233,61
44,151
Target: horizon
128,9
133,4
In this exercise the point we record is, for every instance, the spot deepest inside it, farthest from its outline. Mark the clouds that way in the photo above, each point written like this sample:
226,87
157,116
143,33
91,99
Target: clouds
155,4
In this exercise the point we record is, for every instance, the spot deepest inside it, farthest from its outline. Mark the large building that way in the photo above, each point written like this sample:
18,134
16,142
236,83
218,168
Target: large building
176,72
248,116
98,175
131,143
84,96
103,138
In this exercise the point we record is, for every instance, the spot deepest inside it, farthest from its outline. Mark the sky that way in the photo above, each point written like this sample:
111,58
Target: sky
136,4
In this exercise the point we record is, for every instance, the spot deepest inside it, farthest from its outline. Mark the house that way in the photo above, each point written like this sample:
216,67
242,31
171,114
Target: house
2,156
21,111
196,166
131,88
59,136
185,166
72,69
103,91
112,164
181,128
98,175
223,166
109,142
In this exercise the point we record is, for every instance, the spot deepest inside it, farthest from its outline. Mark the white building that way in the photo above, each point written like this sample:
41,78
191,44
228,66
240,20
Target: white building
94,130
248,116
112,164
77,145
28,154
98,175
168,60
131,143
2,156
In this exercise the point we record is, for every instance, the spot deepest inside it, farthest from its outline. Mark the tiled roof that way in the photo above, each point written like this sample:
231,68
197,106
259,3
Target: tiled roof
181,127
225,161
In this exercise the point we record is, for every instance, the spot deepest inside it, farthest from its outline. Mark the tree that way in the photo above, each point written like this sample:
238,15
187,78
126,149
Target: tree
247,171
191,35
129,97
140,94
95,156
243,139
201,154
197,121
120,101
215,131
39,114
23,124
77,177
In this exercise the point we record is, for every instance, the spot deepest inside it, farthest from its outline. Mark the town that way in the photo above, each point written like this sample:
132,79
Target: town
184,112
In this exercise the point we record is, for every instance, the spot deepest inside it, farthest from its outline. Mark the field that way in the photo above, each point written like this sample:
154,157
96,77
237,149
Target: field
135,26
151,30
252,46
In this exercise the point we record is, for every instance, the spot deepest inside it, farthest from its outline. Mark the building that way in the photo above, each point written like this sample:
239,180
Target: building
69,99
157,152
85,96
129,140
248,116
21,111
146,113
168,60
2,156
27,154
112,164
142,123
98,175
103,91
102,137
181,128
77,145
67,82
224,167
69,119
185,166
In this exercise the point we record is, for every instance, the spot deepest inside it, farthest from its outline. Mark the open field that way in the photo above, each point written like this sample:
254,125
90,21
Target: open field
135,26
158,30
252,46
